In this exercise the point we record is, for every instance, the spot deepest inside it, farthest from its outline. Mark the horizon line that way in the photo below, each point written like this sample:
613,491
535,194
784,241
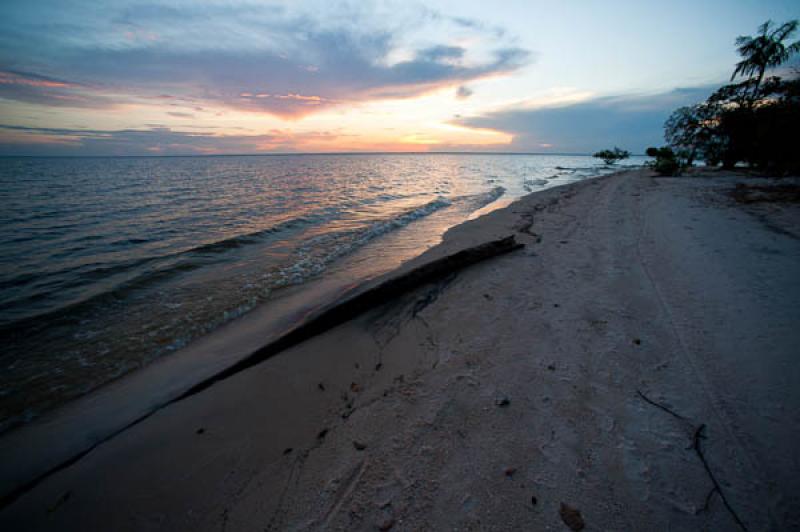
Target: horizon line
285,154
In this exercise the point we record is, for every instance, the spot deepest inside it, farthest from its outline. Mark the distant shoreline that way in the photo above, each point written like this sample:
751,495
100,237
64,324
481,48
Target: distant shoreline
289,154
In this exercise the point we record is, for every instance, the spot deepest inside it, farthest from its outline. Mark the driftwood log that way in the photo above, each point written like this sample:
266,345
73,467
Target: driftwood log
370,298
325,320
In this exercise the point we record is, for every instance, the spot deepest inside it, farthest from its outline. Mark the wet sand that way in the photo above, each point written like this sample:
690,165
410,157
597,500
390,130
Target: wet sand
559,385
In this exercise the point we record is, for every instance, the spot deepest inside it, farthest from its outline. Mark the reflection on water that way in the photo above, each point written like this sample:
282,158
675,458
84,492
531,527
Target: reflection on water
108,263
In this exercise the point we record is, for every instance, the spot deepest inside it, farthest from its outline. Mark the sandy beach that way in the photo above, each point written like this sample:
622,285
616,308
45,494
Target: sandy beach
631,368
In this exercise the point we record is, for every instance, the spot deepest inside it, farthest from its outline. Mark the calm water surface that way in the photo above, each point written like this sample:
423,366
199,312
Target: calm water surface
109,263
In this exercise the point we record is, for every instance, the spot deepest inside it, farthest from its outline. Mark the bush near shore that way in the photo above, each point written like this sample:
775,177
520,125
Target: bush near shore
612,156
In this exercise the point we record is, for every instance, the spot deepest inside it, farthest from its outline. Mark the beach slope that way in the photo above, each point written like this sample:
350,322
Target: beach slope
632,368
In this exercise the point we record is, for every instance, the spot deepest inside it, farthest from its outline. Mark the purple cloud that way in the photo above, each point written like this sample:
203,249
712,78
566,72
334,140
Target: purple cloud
631,121
245,56
44,90
155,140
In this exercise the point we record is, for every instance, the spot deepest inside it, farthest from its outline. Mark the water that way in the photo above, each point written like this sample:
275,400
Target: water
109,263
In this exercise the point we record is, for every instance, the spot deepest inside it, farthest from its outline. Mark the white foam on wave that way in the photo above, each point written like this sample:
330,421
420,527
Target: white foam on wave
317,253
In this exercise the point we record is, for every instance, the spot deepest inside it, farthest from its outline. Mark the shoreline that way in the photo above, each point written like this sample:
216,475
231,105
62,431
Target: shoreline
161,309
395,388
102,414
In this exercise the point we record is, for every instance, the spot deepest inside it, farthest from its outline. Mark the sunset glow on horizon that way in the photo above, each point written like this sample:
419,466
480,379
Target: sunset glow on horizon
134,78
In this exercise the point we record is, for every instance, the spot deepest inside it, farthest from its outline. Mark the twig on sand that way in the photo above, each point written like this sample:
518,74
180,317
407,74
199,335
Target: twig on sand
697,436
662,407
707,505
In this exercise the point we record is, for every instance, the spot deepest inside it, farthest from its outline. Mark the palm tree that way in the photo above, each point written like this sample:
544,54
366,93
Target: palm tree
765,50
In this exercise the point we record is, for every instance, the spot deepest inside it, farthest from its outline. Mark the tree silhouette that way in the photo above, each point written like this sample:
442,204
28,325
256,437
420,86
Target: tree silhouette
763,51
690,129
612,156
753,120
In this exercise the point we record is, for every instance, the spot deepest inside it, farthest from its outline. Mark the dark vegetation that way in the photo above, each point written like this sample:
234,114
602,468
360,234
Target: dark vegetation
612,156
666,162
754,121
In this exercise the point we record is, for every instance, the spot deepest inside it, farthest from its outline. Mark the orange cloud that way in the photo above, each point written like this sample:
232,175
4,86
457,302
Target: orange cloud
13,78
292,96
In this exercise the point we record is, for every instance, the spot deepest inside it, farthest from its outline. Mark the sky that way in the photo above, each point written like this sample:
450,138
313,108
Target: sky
185,77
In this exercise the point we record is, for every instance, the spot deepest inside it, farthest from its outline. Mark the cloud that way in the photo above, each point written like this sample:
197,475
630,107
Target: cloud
271,59
476,24
44,90
633,122
463,92
441,52
155,140
180,114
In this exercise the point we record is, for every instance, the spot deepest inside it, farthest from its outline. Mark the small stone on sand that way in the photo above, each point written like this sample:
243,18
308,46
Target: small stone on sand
571,517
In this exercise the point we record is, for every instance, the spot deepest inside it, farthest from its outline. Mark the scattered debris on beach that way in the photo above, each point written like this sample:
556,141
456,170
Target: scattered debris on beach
571,517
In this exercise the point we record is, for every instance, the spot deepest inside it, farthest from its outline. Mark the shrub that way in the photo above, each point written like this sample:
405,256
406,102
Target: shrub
612,156
666,162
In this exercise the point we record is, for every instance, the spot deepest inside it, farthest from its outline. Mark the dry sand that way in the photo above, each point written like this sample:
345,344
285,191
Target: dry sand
505,397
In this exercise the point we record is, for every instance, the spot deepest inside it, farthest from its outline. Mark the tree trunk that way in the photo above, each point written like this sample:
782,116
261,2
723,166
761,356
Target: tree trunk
754,97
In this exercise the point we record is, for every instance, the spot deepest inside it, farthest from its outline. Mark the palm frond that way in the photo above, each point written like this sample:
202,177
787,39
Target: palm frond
784,31
766,49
